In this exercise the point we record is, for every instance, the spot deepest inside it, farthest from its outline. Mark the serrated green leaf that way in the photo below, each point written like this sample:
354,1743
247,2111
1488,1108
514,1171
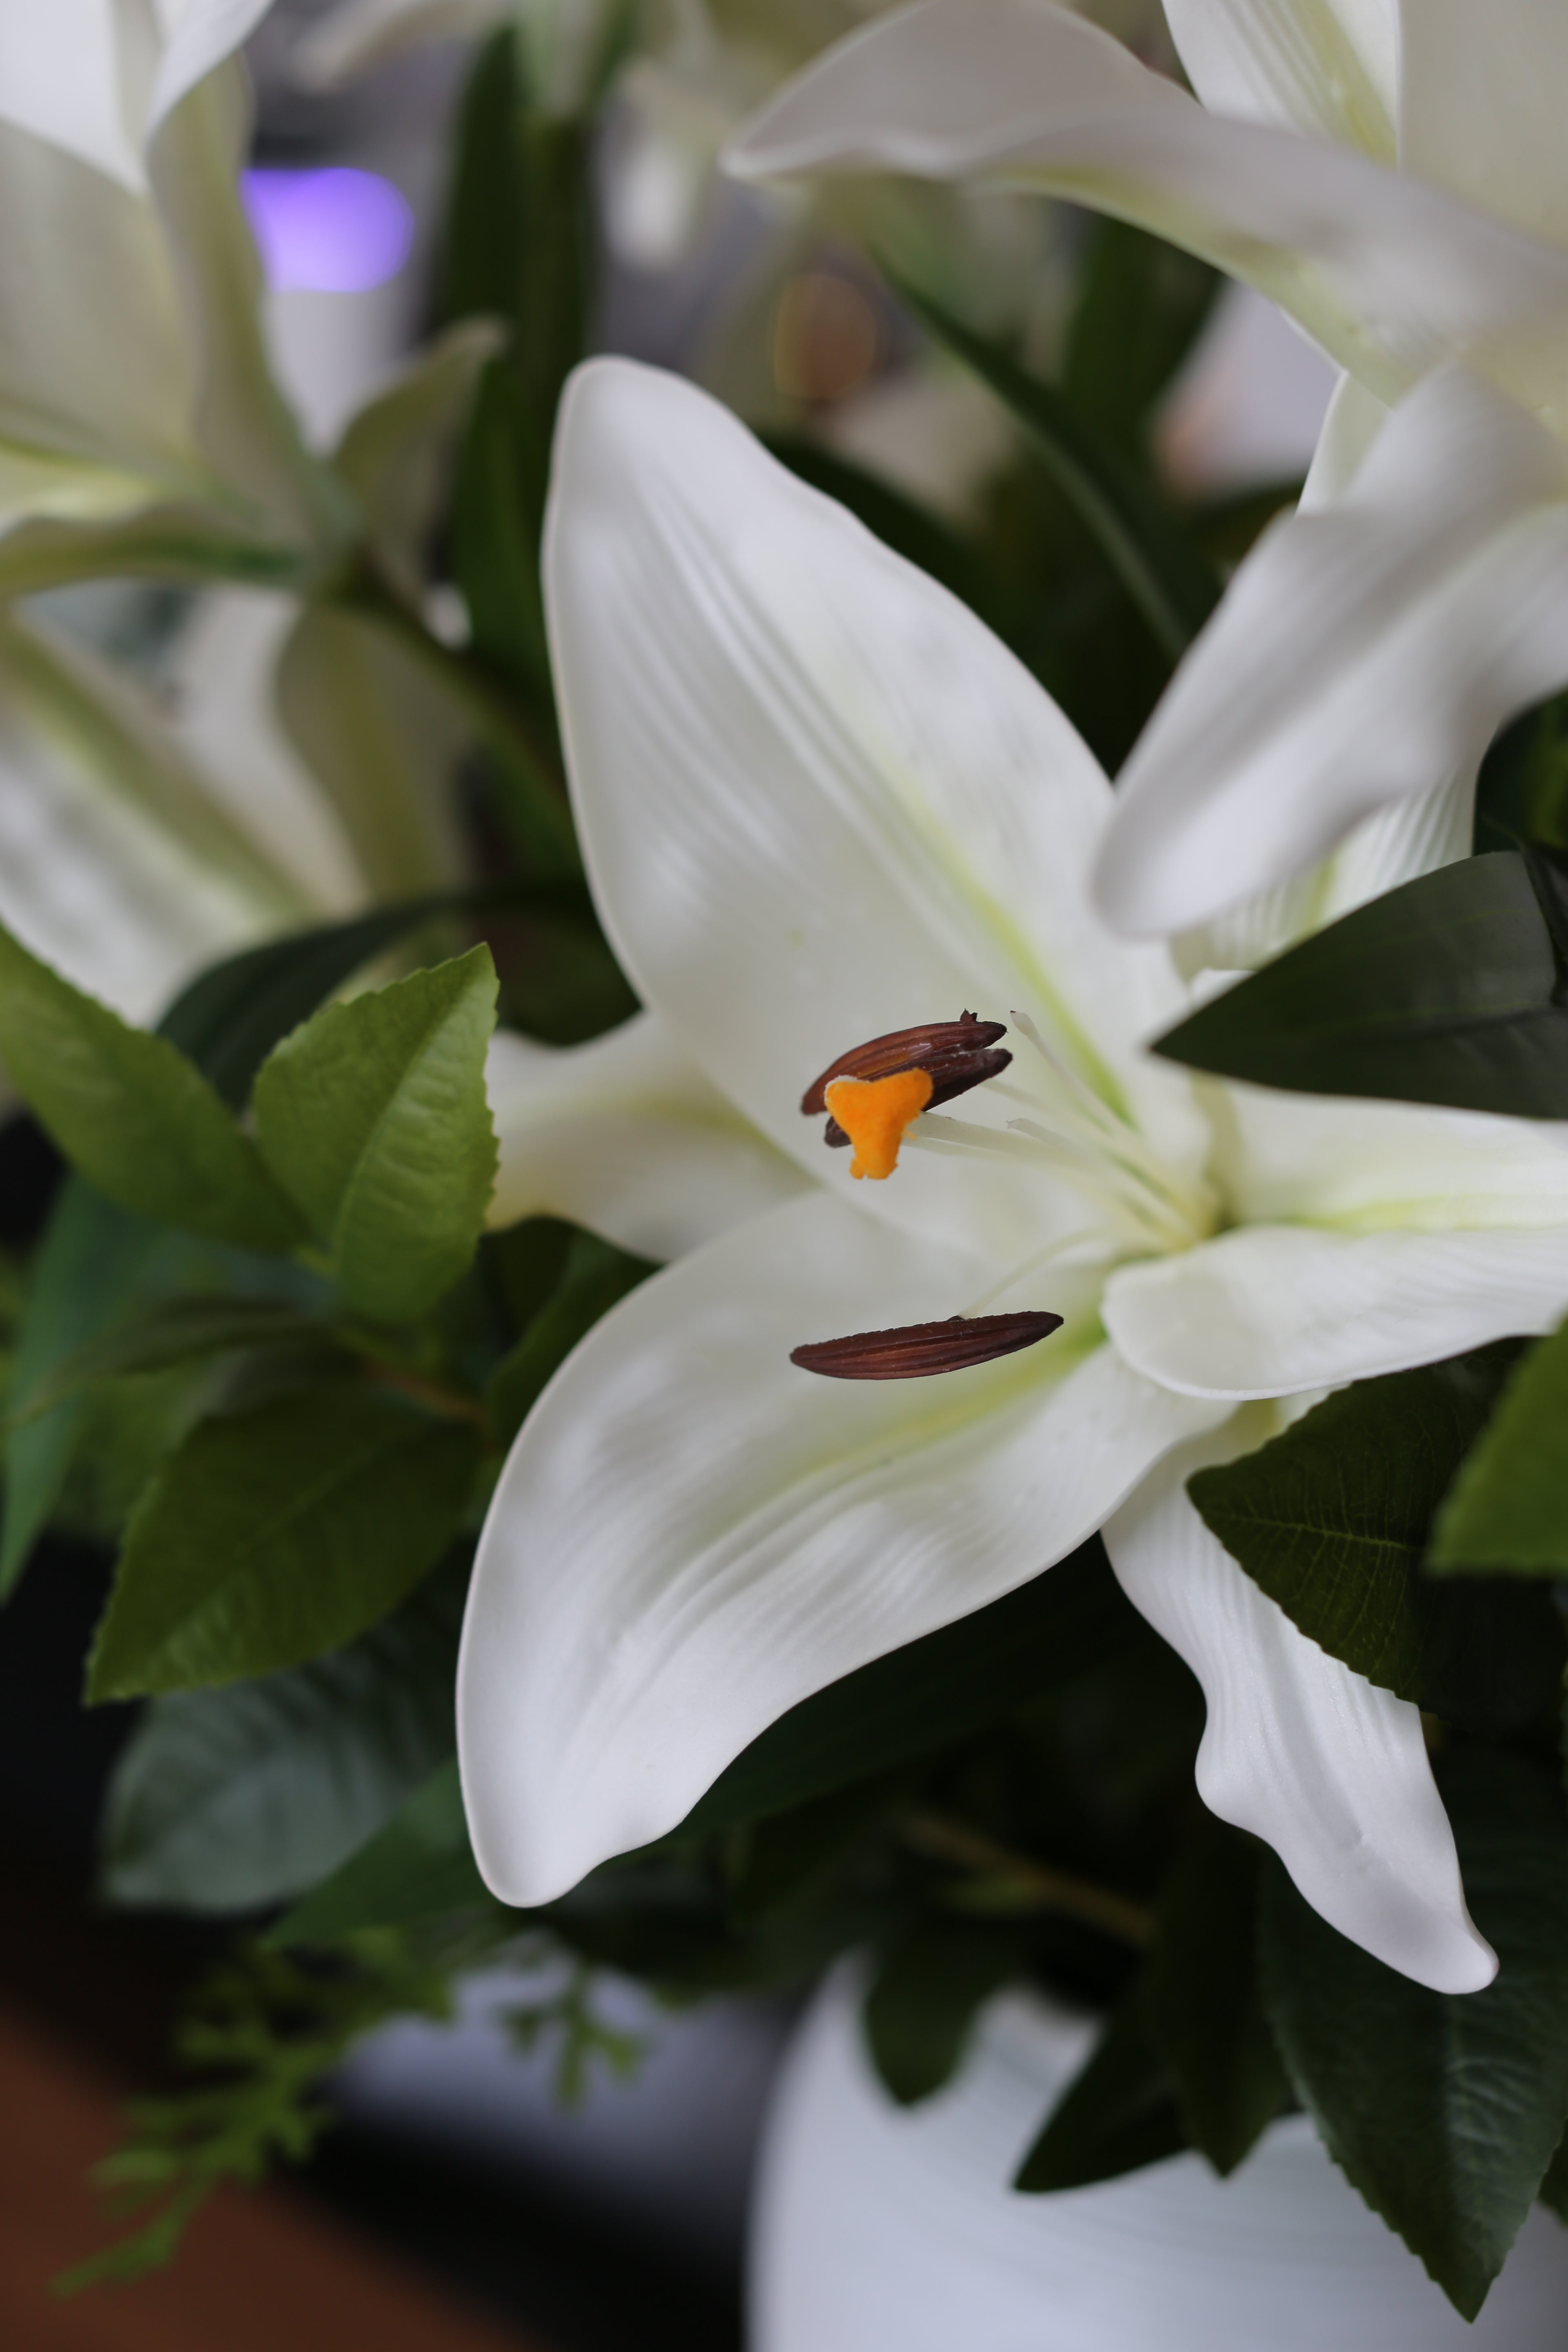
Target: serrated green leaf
227,1801
131,1113
171,1331
1117,2114
1445,990
1443,2109
274,1536
1331,1520
420,1866
1160,566
1203,2009
1508,1508
598,1277
931,1692
374,1118
929,1987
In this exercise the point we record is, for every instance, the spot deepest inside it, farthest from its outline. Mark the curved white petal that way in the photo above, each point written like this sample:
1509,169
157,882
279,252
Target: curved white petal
1274,1310
203,35
1411,837
1480,104
1363,654
360,32
817,798
61,79
627,1137
1355,417
1328,1769
1328,67
692,1535
1389,274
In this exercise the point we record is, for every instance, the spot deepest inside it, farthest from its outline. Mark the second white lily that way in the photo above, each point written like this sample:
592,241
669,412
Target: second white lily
820,802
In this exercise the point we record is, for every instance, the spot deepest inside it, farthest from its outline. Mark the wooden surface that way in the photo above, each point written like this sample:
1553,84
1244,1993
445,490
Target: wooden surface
258,2272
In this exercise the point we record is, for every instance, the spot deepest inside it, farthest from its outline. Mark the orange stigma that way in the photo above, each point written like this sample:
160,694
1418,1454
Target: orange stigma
875,1113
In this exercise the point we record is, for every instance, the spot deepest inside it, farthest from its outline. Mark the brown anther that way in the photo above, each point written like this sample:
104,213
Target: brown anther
916,1351
955,1055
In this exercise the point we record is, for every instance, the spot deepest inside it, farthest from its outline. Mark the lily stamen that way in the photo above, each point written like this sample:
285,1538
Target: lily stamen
917,1351
886,1083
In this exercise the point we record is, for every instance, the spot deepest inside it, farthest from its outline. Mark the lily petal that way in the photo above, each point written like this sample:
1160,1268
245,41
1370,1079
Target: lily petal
1480,105
627,1136
1274,1310
1362,653
61,79
1326,67
1389,274
691,1534
1327,1768
818,799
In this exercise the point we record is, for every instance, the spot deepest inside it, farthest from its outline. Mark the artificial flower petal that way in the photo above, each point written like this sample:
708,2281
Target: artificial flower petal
627,1137
1480,105
1275,1310
691,1534
1327,1768
799,763
1391,275
1364,653
1326,67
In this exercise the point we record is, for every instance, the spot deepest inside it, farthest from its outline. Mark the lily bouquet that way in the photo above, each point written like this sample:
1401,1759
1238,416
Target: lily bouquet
973,1373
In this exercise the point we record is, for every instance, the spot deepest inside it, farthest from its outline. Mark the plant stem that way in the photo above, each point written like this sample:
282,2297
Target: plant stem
943,1840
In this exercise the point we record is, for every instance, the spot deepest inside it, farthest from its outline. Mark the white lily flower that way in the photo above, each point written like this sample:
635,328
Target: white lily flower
819,802
1392,173
139,422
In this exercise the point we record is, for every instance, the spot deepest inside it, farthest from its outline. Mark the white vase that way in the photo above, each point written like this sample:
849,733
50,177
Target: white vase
881,2228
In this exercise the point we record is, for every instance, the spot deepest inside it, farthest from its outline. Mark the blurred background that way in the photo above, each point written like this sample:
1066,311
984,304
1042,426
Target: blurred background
457,2202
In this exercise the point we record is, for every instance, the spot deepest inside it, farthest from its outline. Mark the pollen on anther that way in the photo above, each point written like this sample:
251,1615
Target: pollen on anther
875,1114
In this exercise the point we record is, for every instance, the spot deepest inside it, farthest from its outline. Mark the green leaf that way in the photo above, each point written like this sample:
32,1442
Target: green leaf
397,453
92,1259
374,1118
1331,1520
1445,990
1161,568
1443,2110
277,1534
929,1987
1117,2114
131,1113
1508,1508
930,1693
1142,304
227,1801
597,1277
420,1866
1203,2009
171,1331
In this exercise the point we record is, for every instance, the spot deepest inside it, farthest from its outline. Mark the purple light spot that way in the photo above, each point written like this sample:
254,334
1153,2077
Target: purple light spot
338,231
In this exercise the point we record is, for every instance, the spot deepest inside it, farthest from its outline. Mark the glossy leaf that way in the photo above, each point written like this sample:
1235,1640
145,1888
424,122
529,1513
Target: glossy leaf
931,1692
1508,1508
227,1801
171,1331
1117,2114
596,1277
1445,990
374,1118
1203,2009
1163,569
131,1113
1444,2110
272,1536
1332,1517
419,1867
922,2003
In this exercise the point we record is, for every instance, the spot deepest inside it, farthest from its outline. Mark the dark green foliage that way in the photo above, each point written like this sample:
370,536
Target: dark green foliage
596,1275
1118,2113
1445,990
929,1987
1508,1508
1332,1519
1141,305
1444,2110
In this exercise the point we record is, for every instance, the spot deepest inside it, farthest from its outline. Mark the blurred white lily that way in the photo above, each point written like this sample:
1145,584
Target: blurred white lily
139,427
820,802
1393,174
